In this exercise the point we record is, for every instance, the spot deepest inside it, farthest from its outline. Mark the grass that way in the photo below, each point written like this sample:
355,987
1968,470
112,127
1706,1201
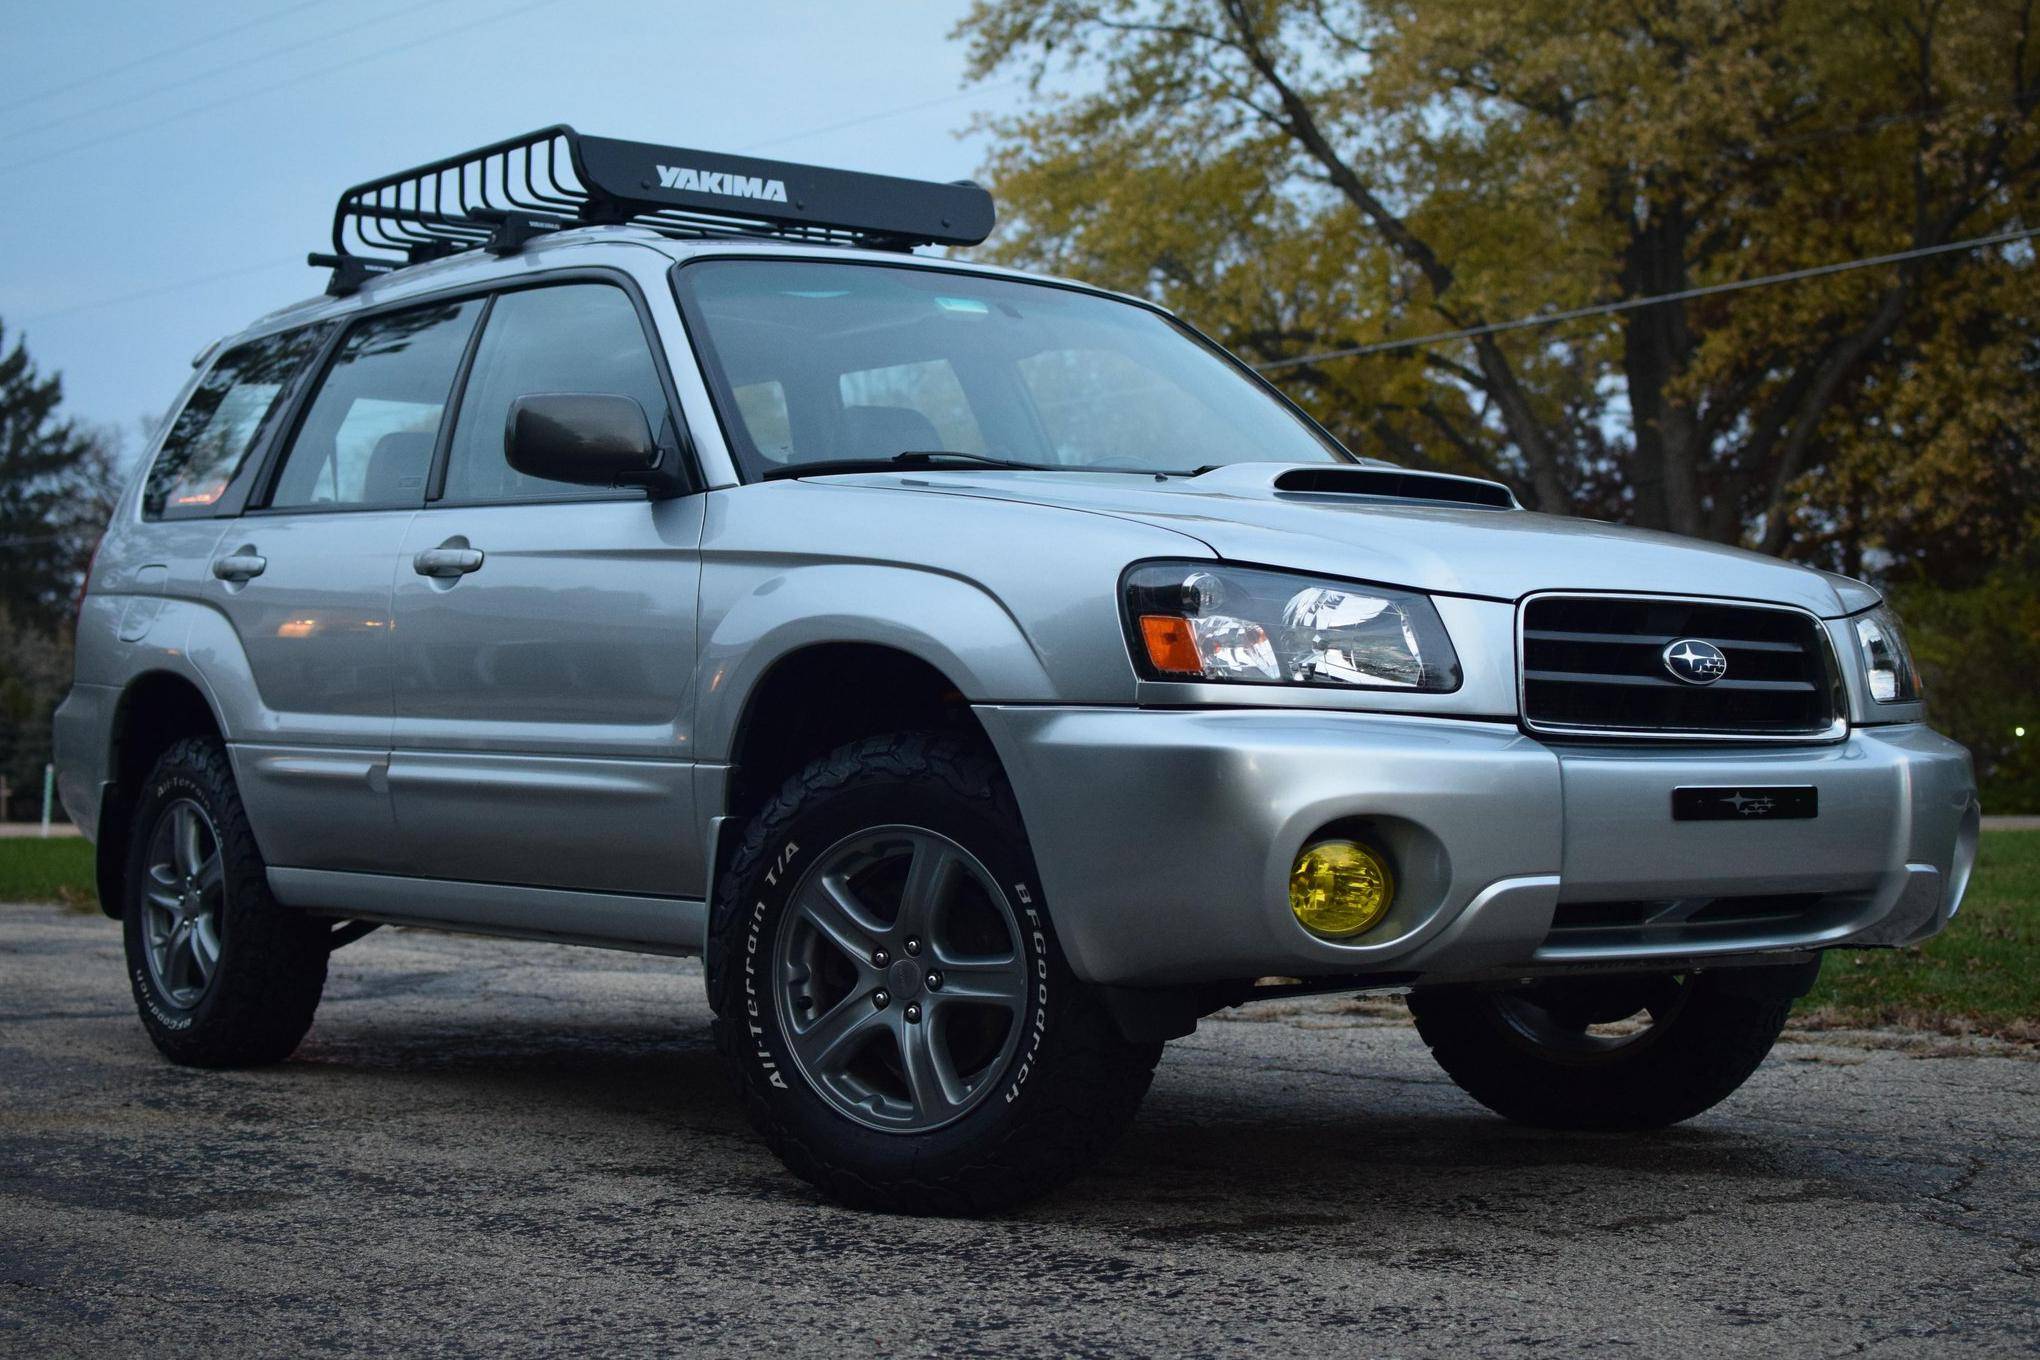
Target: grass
55,870
1980,976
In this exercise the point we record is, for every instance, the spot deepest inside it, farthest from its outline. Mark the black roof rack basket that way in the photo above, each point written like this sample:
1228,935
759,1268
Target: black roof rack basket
499,196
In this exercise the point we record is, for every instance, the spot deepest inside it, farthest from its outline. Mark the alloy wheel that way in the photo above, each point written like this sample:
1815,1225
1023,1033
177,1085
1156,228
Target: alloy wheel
183,903
901,978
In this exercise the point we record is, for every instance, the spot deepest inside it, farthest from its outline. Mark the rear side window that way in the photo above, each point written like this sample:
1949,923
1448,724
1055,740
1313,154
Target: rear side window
213,433
366,441
573,337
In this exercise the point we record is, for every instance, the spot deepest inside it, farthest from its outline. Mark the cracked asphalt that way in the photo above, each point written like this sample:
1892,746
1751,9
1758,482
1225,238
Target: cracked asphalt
490,1147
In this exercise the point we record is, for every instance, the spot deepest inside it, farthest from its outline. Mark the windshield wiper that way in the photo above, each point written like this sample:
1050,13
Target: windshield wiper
932,459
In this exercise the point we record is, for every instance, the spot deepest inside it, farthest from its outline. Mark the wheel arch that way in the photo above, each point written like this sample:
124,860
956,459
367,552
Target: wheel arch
156,708
816,697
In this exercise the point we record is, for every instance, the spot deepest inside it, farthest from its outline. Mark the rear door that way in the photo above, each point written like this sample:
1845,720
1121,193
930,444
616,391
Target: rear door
306,578
545,633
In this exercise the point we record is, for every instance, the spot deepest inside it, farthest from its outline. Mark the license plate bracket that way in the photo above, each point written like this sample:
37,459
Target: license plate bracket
1746,803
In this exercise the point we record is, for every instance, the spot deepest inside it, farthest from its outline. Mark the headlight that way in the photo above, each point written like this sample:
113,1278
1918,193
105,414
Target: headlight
1886,658
1206,622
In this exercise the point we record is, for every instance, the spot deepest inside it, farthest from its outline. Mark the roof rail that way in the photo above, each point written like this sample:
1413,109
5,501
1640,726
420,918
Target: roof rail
498,197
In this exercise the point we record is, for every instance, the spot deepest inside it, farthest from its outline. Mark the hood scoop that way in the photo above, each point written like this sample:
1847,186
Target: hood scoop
1396,483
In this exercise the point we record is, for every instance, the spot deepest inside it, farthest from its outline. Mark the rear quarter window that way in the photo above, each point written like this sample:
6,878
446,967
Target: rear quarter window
211,437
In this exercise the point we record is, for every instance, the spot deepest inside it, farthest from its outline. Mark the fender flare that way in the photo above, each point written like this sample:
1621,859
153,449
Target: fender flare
978,644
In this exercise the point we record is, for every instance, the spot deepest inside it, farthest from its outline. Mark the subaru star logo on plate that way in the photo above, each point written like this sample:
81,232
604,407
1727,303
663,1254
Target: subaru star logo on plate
1695,662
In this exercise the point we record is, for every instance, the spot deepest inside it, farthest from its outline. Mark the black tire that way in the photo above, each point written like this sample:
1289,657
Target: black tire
1529,1054
269,968
1071,1084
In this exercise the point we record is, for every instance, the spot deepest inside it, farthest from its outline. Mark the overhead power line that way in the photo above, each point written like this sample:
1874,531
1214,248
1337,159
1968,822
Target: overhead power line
862,119
212,72
327,69
1653,300
50,92
296,260
140,295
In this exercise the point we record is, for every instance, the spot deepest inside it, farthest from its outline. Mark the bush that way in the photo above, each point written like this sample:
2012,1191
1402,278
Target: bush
1979,654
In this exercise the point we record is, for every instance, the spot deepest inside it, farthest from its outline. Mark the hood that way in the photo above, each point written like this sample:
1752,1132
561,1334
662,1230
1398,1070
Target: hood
1503,554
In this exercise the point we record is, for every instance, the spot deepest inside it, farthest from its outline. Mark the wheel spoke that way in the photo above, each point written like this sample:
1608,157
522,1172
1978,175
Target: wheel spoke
832,1039
185,841
992,982
929,877
933,1086
177,961
211,874
205,948
833,910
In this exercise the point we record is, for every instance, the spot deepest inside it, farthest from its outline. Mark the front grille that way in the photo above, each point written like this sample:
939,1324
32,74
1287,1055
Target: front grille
1594,664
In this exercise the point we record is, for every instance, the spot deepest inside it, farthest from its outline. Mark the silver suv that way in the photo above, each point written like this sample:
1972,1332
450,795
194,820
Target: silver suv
988,675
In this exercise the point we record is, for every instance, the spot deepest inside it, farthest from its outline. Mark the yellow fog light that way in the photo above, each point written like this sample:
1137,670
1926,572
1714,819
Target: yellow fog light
1340,888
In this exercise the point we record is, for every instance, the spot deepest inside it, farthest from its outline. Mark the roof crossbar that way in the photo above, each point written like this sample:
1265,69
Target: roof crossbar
499,196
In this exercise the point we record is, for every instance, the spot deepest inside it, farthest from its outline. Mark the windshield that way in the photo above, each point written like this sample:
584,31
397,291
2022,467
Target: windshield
824,361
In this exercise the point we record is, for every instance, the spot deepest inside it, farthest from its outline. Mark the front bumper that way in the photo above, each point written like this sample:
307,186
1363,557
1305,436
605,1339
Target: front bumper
1164,841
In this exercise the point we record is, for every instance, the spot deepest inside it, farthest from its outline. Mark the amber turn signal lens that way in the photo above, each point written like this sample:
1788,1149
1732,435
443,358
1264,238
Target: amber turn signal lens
1170,647
1340,889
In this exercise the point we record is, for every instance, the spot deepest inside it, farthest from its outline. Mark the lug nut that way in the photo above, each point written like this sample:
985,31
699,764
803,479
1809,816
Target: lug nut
879,958
913,946
881,998
913,1015
934,982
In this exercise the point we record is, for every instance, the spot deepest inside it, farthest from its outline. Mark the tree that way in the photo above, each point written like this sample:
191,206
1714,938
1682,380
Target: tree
1977,648
1305,175
57,484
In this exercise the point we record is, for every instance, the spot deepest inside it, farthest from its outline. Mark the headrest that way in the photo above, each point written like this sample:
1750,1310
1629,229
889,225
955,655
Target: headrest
397,468
882,431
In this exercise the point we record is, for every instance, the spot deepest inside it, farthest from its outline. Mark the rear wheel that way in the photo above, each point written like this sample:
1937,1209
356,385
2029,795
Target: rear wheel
1634,1052
222,975
890,995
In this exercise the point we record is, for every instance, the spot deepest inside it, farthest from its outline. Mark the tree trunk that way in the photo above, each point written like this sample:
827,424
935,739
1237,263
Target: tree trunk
1657,345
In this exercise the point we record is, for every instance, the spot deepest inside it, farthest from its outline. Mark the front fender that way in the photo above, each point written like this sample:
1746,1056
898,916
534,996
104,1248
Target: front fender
765,615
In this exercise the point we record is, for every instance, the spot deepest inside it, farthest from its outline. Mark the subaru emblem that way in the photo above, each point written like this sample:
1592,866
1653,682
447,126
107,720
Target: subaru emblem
1695,662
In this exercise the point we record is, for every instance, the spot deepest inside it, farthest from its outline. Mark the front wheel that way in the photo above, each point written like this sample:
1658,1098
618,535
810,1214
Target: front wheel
890,995
1633,1052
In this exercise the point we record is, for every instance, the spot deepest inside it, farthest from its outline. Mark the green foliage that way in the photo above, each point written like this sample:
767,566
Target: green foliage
1979,651
35,669
55,494
1302,175
57,487
1983,972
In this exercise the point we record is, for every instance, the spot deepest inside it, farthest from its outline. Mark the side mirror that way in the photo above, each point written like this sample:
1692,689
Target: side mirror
588,439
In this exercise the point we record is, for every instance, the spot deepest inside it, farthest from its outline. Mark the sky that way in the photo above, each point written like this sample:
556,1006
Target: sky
164,168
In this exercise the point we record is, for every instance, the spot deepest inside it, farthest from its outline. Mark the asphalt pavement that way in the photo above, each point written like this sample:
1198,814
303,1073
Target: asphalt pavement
496,1148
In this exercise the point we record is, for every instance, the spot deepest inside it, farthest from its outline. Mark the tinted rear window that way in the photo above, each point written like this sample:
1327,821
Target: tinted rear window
213,433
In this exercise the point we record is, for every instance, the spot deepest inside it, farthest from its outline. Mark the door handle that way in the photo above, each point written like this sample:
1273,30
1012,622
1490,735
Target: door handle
244,565
446,563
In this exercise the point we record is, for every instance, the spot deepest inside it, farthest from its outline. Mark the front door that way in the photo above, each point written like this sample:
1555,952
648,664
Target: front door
306,582
544,643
